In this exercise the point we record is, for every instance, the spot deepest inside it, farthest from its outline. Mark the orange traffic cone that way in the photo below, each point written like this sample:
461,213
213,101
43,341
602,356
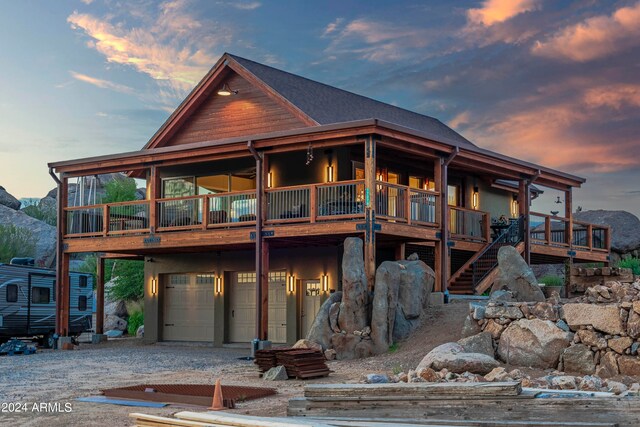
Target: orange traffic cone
217,404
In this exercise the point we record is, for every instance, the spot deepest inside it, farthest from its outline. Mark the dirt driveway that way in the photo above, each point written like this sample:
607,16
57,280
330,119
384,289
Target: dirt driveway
62,376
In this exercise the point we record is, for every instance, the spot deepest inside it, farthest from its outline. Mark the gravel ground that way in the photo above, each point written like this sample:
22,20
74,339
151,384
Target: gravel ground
62,376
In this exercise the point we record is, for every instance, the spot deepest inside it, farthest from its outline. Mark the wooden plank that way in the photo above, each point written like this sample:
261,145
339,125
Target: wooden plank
382,391
237,421
145,420
407,422
623,411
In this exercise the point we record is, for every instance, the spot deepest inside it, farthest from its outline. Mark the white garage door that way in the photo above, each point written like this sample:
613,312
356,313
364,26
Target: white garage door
188,307
242,312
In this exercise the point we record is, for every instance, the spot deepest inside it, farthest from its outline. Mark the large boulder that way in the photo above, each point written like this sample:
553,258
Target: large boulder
451,356
114,323
535,343
624,227
605,318
578,358
353,314
515,275
320,331
8,200
400,299
479,343
44,235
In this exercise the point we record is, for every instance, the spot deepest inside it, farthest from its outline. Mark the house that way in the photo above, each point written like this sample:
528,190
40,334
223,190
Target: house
256,179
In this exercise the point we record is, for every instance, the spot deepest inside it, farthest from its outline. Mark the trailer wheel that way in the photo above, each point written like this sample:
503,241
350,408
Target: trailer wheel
49,340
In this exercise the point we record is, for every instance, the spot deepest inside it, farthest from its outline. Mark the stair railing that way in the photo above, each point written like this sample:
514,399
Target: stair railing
488,258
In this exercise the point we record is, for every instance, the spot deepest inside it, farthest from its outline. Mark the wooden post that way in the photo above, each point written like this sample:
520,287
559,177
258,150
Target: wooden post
547,229
153,196
313,202
370,209
524,206
568,214
590,236
486,224
400,252
62,275
263,259
407,204
439,247
105,221
100,296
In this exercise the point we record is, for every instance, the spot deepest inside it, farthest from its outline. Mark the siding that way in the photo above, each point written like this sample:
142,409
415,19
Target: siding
249,112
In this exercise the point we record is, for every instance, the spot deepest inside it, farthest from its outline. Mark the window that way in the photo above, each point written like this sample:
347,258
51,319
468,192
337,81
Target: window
83,281
12,293
415,182
312,288
40,295
178,187
454,195
82,303
204,279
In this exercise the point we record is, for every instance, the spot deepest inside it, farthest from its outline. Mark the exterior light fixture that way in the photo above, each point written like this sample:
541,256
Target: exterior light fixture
292,284
270,180
514,206
475,198
218,285
154,286
225,90
329,173
325,283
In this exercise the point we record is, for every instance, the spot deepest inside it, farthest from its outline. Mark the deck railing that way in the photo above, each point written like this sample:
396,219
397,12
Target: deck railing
423,206
108,219
468,224
391,201
179,213
231,209
552,230
289,203
340,200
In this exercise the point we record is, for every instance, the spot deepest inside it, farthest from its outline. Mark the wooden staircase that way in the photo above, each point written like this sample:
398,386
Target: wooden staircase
479,273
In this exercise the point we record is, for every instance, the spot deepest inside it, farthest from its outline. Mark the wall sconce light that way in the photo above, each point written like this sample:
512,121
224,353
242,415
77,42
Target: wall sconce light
225,90
475,198
270,180
514,206
154,286
325,283
218,285
292,284
329,173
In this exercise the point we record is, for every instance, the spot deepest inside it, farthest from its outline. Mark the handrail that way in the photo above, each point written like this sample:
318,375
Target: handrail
488,257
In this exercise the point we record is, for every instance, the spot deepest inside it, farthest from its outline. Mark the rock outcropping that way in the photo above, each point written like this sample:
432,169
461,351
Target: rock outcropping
8,200
44,235
515,275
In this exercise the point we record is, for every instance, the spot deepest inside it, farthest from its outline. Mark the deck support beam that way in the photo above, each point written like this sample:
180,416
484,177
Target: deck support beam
62,261
99,326
445,250
370,209
262,251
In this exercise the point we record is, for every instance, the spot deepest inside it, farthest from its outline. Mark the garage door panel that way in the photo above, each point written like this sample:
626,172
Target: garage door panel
188,308
243,307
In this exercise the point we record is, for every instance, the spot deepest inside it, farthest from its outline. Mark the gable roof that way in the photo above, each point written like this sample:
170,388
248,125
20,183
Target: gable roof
327,104
314,102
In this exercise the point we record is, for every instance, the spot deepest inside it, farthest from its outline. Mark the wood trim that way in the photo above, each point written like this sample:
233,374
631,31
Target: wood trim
100,295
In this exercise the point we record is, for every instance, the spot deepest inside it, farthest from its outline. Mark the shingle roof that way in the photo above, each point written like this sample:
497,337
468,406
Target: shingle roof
327,104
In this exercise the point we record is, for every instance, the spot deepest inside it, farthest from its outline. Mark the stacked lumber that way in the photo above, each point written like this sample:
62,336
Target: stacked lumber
266,359
468,404
303,363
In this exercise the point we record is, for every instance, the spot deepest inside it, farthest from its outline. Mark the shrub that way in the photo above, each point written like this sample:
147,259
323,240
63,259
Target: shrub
47,215
120,191
552,280
16,242
129,281
136,319
394,347
632,263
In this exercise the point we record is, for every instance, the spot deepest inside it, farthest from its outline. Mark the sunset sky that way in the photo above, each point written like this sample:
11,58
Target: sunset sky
554,82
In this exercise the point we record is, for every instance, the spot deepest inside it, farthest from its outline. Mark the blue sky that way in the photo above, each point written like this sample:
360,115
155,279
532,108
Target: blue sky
555,82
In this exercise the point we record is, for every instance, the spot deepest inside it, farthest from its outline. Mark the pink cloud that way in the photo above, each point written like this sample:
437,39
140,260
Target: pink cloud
594,38
497,11
104,84
614,96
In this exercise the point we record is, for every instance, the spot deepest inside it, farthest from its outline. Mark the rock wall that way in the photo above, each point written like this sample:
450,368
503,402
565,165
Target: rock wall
583,278
596,333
